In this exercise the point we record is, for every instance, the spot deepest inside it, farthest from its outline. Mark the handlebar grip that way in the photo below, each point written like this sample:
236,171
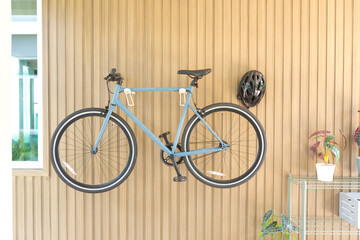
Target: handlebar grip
113,76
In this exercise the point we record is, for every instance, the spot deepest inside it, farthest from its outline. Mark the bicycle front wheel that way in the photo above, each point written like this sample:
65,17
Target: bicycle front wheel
235,126
87,171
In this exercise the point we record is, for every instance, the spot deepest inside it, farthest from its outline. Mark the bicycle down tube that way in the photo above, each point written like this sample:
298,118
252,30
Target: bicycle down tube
115,101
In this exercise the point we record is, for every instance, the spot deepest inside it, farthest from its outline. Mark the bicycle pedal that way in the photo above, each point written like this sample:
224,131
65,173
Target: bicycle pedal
180,179
164,134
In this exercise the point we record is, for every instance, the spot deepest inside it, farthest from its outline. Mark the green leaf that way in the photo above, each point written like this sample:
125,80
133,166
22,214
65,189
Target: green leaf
357,136
284,222
271,230
334,150
273,224
318,136
328,139
266,217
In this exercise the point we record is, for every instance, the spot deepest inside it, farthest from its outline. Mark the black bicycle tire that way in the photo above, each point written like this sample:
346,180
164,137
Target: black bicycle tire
251,118
72,118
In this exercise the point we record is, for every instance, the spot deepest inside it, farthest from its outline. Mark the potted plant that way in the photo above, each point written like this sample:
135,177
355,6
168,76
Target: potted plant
273,229
323,145
357,141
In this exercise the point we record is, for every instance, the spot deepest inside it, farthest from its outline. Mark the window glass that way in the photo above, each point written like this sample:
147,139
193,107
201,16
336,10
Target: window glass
23,7
26,98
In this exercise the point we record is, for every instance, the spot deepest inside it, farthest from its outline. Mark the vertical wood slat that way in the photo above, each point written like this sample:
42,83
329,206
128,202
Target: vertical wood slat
70,107
309,52
321,90
209,60
79,100
53,119
286,92
235,73
15,208
62,104
198,230
261,109
295,101
329,122
101,214
20,203
243,67
313,85
37,219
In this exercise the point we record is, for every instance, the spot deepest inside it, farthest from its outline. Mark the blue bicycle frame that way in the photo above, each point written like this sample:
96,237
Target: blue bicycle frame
116,102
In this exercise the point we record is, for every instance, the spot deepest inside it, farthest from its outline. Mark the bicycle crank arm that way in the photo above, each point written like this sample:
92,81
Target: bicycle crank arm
179,177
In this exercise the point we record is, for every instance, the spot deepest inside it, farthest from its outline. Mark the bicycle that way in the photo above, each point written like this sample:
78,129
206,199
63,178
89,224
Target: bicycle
94,150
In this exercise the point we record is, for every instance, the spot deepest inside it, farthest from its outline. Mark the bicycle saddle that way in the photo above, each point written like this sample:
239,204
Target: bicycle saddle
195,73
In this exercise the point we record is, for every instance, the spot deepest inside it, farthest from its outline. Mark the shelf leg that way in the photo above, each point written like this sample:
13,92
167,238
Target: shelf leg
289,197
289,200
303,216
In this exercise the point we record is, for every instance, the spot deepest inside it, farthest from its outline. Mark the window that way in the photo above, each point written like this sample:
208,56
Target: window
26,84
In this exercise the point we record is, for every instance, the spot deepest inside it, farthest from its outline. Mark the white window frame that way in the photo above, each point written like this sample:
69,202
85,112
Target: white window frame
33,25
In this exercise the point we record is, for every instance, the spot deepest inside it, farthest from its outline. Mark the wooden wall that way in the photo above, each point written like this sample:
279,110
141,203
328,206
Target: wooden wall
309,52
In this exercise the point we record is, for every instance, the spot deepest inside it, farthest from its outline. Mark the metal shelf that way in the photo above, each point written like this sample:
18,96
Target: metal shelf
315,225
325,226
337,183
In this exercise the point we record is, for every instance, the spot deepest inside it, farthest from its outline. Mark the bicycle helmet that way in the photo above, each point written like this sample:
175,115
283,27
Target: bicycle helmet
251,88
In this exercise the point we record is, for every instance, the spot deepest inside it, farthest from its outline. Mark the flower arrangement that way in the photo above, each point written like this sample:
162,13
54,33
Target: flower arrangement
322,144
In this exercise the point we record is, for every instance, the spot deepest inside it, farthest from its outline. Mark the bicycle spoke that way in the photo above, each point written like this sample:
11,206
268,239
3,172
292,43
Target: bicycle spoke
205,161
109,140
107,157
109,169
93,169
76,136
109,165
233,129
116,147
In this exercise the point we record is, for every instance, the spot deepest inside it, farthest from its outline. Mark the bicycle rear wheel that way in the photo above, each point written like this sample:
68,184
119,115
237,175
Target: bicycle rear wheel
83,170
235,126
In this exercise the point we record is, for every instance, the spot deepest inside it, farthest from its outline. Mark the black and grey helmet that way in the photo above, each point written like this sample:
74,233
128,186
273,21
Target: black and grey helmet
251,88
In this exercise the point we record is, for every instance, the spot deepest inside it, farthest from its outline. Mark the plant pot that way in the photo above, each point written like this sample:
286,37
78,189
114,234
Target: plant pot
325,172
358,163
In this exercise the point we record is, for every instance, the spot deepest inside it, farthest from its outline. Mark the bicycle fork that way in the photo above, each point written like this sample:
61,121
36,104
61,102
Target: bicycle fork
103,128
106,121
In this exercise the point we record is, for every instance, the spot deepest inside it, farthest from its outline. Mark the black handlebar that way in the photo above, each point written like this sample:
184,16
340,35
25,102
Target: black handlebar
113,76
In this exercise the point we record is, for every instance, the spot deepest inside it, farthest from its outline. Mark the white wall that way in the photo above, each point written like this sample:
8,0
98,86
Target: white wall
5,121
